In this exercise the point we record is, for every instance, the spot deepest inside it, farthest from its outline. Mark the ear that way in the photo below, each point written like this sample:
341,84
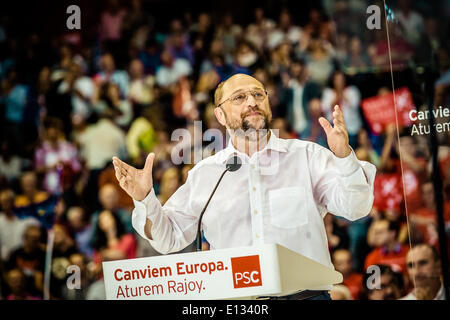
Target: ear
220,116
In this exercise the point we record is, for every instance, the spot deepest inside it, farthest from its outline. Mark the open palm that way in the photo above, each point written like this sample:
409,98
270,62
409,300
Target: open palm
337,135
136,183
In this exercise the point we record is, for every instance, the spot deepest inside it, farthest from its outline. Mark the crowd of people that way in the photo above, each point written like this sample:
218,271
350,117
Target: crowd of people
70,104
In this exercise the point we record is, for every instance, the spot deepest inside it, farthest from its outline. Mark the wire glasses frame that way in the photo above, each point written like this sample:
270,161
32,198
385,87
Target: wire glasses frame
240,97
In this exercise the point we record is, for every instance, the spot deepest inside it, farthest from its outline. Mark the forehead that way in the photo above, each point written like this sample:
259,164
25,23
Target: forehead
341,255
241,82
381,224
419,253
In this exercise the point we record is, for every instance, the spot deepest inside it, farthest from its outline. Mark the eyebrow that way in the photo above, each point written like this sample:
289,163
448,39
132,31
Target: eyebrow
241,90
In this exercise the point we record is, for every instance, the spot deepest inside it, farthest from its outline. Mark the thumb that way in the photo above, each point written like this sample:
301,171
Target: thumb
149,163
325,125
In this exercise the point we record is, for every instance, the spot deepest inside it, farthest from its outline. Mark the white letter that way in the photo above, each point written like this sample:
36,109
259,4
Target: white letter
74,21
373,21
374,281
74,280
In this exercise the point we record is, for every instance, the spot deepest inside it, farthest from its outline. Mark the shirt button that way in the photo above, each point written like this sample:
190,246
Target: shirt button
254,189
257,235
256,212
252,166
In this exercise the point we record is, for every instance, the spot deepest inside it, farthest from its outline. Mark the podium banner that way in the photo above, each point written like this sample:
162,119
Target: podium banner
218,274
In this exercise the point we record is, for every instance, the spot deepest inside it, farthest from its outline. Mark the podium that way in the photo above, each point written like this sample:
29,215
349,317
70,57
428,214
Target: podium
233,273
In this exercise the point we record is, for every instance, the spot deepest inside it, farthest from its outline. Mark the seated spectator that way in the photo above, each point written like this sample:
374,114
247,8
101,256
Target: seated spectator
178,45
96,290
397,52
357,57
387,249
285,31
411,21
31,194
282,129
342,261
387,286
12,228
110,233
109,201
141,86
109,73
11,165
365,151
259,29
16,281
424,219
424,269
320,61
141,138
245,58
170,182
229,32
56,157
30,259
63,248
315,131
171,70
101,141
78,293
300,92
108,176
319,25
14,97
82,92
110,101
80,227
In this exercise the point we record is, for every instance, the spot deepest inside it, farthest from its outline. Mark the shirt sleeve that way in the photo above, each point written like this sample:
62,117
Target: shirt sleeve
343,185
174,225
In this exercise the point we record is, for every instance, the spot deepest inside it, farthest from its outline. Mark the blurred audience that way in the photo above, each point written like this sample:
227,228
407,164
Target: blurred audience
124,83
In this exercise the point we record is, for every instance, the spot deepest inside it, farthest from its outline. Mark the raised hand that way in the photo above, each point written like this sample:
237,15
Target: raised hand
137,183
337,135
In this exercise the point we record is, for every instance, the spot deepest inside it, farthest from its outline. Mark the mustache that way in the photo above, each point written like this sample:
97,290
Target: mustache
259,111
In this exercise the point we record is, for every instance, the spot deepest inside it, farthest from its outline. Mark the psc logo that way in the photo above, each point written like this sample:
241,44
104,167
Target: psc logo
246,271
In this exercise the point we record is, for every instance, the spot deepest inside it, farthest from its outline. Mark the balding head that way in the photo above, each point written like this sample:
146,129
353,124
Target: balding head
242,104
233,82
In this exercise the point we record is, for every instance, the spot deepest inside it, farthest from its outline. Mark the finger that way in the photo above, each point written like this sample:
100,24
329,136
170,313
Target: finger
118,172
149,162
325,125
123,182
339,113
339,123
121,164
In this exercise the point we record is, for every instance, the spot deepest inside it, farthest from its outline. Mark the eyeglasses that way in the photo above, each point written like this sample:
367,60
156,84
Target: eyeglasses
241,97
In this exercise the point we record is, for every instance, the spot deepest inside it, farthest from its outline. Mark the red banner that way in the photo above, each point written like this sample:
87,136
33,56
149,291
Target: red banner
380,110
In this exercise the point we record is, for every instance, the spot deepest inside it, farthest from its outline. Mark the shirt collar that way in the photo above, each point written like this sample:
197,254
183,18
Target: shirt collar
274,143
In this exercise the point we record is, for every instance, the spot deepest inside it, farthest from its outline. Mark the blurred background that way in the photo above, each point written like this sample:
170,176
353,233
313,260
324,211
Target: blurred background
137,70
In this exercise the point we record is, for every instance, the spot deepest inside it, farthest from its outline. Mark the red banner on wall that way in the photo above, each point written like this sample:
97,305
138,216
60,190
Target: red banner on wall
380,110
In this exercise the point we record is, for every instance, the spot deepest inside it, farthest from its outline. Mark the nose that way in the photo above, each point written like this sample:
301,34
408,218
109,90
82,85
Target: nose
251,100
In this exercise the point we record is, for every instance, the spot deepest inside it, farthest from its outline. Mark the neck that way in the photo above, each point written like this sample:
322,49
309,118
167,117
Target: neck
251,144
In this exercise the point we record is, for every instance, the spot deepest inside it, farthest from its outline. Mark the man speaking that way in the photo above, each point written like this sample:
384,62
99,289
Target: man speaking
280,194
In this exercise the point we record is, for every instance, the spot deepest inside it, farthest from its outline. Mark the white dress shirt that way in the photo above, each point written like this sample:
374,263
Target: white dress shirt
279,195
